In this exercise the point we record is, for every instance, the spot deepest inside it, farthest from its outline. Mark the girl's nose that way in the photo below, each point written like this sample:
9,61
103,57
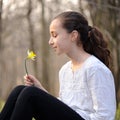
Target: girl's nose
51,41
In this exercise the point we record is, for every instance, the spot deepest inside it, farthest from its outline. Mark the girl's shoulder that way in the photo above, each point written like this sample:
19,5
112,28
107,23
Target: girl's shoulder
94,64
67,65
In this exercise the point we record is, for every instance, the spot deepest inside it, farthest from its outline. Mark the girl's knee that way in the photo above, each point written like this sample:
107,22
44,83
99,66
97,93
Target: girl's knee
19,88
31,91
27,93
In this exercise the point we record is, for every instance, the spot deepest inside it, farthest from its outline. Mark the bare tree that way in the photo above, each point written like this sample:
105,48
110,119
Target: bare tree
31,35
44,47
25,25
114,31
0,40
0,20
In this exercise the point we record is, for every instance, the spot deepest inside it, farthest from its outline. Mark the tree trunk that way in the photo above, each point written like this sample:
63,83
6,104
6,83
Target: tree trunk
44,45
31,35
0,43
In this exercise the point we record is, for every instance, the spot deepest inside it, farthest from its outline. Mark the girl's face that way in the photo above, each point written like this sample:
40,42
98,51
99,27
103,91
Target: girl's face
60,39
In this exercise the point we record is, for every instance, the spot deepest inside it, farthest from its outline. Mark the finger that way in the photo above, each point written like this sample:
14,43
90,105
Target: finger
27,78
28,83
30,77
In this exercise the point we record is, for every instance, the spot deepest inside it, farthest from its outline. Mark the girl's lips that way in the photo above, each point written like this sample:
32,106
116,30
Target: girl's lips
54,47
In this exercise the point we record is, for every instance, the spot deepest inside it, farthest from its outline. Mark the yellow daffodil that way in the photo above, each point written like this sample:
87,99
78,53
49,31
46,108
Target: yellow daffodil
30,55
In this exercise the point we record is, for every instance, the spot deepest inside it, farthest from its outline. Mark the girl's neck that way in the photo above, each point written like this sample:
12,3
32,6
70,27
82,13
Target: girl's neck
78,58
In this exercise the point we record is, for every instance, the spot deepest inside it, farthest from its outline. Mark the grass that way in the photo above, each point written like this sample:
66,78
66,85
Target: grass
1,104
118,113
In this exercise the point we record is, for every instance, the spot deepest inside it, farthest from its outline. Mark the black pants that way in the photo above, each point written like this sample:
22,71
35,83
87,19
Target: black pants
26,102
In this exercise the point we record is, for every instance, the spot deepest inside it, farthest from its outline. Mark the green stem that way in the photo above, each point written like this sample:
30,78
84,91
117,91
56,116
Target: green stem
26,66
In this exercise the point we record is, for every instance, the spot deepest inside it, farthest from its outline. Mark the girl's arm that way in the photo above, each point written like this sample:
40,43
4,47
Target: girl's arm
101,86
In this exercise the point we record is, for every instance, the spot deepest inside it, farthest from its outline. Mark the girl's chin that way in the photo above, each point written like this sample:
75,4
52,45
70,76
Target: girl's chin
58,53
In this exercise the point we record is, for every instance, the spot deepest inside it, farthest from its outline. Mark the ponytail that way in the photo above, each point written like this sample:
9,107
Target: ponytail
97,46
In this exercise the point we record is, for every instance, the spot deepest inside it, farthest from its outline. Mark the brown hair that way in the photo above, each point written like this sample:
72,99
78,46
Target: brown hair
90,37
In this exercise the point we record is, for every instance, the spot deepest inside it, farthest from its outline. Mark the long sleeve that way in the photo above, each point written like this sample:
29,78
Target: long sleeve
101,85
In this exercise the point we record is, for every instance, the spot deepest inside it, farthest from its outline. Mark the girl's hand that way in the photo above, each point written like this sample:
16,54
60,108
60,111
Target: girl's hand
30,80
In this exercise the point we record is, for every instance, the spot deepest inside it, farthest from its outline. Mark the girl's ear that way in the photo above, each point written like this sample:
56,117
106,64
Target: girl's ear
74,35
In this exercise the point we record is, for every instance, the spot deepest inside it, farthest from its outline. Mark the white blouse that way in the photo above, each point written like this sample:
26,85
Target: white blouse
89,90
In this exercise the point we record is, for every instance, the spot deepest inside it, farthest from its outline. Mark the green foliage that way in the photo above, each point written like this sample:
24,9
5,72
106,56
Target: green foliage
118,113
1,104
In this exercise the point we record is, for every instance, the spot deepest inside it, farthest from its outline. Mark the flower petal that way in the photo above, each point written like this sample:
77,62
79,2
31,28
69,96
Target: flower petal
31,55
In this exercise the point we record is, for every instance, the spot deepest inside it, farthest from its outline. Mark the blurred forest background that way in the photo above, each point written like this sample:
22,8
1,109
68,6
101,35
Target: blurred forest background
24,24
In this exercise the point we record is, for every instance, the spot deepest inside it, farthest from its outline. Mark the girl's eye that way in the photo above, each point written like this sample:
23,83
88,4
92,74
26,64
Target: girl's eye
54,35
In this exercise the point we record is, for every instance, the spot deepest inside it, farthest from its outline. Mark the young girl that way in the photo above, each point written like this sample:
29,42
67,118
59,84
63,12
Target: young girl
87,89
